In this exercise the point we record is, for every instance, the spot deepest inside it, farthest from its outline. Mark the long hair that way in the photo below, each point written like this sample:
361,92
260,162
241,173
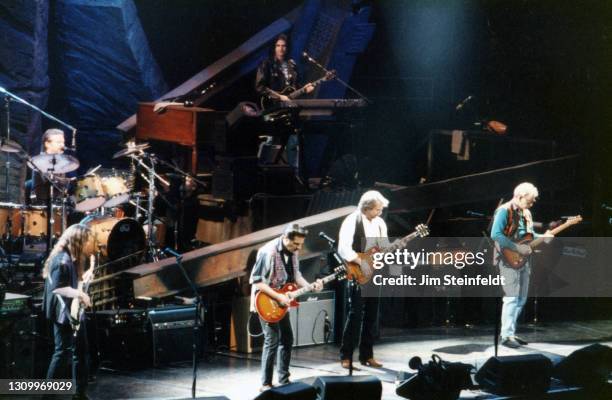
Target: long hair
73,240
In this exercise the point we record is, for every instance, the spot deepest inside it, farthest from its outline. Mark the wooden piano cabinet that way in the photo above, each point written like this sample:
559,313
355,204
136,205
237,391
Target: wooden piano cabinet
177,124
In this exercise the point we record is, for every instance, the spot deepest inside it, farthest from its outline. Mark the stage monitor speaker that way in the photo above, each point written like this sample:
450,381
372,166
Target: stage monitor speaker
293,391
361,387
172,330
587,367
508,375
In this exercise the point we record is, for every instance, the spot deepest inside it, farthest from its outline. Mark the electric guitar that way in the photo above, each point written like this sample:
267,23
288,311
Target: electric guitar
76,307
291,92
363,272
516,260
272,311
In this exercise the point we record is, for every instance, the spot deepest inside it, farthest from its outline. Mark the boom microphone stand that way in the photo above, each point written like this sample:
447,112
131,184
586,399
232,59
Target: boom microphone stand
343,83
197,317
352,286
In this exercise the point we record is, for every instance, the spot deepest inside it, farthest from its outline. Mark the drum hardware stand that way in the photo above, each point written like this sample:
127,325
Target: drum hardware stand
49,177
7,137
152,252
179,214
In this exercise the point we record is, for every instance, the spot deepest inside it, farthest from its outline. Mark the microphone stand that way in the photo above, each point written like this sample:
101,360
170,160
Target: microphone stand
352,283
196,319
13,96
358,93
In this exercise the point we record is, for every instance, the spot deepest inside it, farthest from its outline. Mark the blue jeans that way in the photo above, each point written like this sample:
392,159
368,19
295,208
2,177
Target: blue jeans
278,341
516,289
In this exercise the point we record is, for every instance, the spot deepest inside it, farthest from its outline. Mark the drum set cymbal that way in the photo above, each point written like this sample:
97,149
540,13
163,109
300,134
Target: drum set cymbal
54,163
130,149
10,146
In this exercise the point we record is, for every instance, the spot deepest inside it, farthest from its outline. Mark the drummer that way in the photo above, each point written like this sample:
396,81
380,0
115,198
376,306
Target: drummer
37,190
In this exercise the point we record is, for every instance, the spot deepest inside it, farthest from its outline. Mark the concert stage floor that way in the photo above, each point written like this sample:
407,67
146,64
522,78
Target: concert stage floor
236,375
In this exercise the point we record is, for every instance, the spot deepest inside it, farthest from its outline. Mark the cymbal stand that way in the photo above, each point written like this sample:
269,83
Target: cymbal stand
48,176
150,178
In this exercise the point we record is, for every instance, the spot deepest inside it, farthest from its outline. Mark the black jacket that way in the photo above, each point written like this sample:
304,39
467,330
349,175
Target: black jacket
62,272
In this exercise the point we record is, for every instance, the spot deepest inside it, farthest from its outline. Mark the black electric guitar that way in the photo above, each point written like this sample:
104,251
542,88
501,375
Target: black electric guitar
291,92
76,307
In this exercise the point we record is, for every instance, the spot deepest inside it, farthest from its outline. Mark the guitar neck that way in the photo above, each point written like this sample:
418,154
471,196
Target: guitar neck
297,93
399,243
310,288
555,231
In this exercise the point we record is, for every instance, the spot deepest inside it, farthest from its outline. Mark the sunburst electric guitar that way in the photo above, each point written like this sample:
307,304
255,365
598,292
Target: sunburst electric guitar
271,310
516,260
362,273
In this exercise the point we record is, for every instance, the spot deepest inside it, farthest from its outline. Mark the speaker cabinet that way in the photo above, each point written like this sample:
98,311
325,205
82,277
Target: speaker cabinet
588,367
172,333
292,391
508,375
348,387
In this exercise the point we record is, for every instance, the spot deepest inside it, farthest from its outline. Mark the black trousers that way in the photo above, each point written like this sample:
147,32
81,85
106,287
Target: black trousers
67,347
360,325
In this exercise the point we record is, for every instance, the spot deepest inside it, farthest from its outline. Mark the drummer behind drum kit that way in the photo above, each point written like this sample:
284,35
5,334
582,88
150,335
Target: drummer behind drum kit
96,193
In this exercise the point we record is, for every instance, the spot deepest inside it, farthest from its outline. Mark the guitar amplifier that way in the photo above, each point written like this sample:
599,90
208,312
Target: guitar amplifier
312,322
314,319
172,334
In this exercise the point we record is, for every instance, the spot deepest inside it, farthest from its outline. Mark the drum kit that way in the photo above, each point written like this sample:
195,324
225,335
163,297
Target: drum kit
99,194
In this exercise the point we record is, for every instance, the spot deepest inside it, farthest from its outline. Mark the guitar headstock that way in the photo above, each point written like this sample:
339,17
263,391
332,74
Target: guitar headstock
340,272
330,75
574,220
422,230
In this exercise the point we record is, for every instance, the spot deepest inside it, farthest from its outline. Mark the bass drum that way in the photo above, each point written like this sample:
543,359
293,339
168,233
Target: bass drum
115,238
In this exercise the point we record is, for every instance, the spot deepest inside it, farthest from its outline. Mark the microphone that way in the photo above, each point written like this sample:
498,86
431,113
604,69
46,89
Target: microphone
169,251
474,213
324,236
463,102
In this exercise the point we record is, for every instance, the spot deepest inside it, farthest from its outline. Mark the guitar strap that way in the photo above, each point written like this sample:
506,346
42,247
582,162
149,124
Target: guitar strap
359,235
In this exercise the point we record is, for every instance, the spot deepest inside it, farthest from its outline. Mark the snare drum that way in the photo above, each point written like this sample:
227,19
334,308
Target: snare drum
89,193
115,238
115,190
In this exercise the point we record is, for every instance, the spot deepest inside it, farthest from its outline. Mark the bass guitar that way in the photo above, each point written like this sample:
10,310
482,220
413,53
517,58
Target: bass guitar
272,311
291,92
362,273
516,260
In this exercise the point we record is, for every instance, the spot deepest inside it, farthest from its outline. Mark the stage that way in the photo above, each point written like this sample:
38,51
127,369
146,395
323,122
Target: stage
236,375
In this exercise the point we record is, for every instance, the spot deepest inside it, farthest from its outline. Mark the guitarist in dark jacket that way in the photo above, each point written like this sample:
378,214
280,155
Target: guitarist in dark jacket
276,265
276,76
511,223
365,224
61,272
277,73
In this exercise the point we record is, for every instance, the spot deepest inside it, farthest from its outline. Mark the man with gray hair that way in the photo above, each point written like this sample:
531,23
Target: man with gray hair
276,265
361,230
511,223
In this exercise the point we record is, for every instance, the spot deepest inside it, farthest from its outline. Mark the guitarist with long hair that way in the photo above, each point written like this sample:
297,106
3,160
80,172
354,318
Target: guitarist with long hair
62,271
276,265
513,222
276,78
